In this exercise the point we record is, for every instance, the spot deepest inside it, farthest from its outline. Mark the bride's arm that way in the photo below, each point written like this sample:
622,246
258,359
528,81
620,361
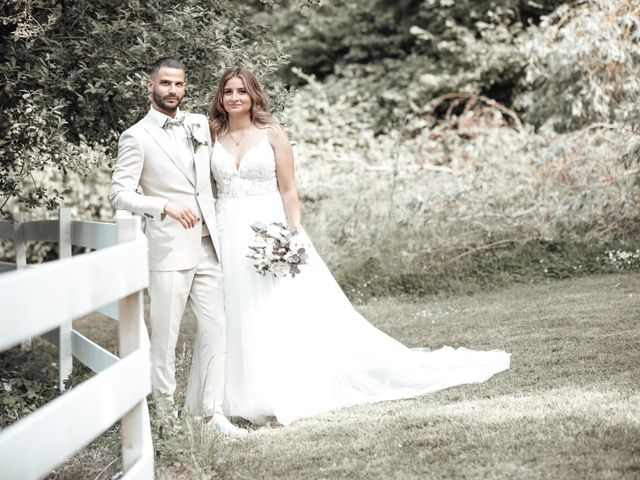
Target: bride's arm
285,174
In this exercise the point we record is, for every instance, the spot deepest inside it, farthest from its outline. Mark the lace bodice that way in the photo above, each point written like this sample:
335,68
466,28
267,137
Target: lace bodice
256,174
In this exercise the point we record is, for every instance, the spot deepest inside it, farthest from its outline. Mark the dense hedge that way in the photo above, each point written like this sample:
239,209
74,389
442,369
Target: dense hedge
74,77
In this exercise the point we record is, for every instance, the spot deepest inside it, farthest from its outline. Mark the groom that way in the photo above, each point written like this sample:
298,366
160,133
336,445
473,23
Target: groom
163,173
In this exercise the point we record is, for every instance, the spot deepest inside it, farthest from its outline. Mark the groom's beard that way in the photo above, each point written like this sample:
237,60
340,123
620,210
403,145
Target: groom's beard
160,101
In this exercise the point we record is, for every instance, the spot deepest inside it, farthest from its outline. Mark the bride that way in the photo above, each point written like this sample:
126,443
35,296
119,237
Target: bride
296,347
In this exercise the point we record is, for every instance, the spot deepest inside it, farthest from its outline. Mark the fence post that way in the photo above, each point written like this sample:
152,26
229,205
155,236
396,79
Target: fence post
65,354
136,434
21,255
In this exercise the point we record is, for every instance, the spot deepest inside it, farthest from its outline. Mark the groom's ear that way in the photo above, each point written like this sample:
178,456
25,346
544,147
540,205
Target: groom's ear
149,85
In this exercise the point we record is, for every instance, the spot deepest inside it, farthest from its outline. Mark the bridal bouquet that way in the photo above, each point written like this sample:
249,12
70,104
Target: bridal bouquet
276,249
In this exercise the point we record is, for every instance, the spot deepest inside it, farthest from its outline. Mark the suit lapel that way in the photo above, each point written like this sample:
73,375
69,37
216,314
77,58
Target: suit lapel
167,145
201,161
200,155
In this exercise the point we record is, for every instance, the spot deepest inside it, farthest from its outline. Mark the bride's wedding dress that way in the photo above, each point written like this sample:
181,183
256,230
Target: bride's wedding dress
297,347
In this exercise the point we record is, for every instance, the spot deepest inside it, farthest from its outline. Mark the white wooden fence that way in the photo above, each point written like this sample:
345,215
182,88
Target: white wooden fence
43,301
66,233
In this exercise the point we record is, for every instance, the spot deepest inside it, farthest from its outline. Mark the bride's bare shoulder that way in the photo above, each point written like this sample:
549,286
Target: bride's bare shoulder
276,133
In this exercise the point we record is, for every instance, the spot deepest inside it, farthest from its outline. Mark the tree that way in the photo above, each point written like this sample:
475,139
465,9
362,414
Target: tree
74,77
343,32
399,55
584,66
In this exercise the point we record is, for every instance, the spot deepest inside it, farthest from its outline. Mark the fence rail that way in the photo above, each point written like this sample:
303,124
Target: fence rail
67,233
70,288
43,301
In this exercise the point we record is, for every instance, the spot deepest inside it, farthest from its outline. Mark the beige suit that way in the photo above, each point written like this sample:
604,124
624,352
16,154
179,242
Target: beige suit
150,171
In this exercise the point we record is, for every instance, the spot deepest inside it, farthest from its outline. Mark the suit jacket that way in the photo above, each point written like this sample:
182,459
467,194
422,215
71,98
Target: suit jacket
148,161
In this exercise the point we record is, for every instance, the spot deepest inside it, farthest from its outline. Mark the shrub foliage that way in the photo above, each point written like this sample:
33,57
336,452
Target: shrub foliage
425,129
526,131
74,77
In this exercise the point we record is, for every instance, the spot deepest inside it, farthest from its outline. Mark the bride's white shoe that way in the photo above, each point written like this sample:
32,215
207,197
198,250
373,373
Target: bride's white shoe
219,424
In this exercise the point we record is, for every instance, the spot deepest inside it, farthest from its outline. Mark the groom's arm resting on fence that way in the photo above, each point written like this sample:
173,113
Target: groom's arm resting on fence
126,179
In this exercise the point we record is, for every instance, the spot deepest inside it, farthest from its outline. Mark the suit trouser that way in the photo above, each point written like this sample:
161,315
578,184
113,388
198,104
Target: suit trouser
202,287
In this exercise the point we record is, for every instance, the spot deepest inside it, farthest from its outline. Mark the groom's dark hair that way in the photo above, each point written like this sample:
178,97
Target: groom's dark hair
168,62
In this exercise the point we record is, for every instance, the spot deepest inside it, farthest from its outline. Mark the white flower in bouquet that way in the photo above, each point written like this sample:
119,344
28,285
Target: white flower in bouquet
280,269
277,249
259,242
276,231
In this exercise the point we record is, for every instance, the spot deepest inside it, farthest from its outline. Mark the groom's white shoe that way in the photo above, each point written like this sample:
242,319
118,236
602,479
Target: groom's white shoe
221,425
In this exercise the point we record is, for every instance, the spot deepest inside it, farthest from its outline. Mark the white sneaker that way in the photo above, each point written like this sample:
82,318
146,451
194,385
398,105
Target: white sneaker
220,424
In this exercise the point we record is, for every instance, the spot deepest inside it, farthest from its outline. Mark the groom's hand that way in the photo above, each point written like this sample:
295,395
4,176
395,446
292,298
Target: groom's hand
184,215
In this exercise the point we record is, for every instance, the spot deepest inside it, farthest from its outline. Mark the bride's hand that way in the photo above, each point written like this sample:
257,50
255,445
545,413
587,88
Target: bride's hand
300,240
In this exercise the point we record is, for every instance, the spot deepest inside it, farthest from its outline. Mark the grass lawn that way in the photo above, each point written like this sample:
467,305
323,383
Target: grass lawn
569,407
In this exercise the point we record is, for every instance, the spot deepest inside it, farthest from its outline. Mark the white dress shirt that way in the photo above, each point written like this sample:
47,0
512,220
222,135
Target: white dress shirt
178,134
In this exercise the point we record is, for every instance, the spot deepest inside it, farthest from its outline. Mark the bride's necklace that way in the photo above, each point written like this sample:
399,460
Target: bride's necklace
237,142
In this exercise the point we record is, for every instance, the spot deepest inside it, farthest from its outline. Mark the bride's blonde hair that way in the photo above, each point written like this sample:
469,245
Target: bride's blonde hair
218,117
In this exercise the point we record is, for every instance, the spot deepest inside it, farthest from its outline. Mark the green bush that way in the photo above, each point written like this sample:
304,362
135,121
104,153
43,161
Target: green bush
583,66
75,72
413,199
343,32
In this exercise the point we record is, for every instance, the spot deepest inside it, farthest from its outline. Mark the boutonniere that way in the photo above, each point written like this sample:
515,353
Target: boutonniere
196,134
